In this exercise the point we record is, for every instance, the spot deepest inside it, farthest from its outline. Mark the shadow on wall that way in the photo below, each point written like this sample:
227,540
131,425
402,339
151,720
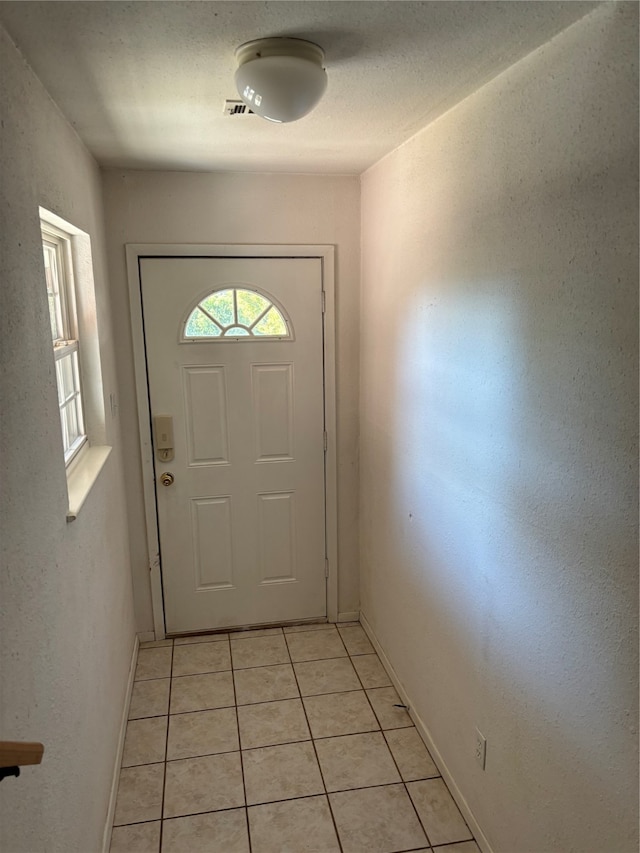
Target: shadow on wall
503,520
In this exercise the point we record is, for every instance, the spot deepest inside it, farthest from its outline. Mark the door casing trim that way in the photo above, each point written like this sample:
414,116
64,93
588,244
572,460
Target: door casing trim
326,254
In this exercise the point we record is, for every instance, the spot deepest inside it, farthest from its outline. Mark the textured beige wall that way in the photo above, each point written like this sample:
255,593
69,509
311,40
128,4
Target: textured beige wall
66,605
180,207
499,437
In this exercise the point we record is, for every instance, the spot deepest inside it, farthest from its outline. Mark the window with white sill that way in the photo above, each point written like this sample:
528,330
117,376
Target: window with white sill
68,276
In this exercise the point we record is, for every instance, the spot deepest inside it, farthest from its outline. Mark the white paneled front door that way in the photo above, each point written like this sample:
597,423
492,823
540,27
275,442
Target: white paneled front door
235,360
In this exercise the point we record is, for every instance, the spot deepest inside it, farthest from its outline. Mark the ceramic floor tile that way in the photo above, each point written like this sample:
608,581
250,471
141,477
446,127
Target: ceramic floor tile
256,632
195,785
202,692
337,714
411,755
201,638
438,812
197,658
215,832
356,761
202,733
281,773
259,651
154,663
355,639
145,741
315,645
333,675
139,794
370,671
271,723
293,827
377,820
265,684
137,838
385,701
290,684
149,698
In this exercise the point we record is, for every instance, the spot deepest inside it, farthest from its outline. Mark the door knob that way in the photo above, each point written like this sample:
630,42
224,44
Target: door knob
167,478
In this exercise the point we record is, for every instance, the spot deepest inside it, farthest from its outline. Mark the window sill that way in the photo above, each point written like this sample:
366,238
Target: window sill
84,474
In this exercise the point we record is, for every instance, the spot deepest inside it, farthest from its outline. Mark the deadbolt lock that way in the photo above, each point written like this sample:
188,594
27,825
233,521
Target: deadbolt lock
163,434
167,478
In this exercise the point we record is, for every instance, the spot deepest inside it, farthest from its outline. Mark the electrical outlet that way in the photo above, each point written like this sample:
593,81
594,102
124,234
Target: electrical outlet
481,749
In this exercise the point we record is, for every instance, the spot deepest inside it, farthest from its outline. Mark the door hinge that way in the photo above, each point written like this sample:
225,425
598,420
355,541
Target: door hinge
325,440
324,301
326,567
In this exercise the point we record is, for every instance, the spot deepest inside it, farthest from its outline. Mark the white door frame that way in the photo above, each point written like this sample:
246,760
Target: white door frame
135,251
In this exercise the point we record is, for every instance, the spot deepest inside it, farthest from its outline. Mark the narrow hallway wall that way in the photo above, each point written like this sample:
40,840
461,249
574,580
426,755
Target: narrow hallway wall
66,605
499,437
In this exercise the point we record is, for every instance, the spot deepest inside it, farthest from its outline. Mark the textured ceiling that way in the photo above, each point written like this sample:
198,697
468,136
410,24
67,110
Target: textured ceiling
144,83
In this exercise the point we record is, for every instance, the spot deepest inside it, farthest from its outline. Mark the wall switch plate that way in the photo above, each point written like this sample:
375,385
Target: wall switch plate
481,749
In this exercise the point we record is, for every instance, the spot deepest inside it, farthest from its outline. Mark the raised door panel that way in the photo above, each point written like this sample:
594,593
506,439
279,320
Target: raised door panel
272,386
277,537
212,543
205,400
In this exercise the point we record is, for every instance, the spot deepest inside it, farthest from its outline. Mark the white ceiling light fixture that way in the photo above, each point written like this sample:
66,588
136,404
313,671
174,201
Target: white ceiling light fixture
280,79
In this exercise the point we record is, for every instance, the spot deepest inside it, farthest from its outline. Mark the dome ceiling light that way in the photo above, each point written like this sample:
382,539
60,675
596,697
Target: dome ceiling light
280,79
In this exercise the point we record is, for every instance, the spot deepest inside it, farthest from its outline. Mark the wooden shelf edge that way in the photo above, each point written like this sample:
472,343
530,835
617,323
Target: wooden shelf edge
20,753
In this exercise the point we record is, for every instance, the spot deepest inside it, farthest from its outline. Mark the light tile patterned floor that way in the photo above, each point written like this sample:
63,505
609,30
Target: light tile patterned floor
276,741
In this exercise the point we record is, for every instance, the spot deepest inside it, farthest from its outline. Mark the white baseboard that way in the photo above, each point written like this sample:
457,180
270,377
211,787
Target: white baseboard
349,616
106,836
425,734
146,636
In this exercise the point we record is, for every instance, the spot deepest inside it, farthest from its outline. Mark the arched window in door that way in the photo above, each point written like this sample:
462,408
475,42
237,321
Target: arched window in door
236,314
